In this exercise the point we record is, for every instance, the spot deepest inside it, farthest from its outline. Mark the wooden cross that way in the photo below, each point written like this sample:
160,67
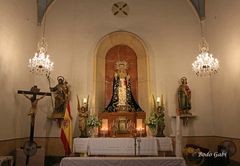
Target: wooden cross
30,147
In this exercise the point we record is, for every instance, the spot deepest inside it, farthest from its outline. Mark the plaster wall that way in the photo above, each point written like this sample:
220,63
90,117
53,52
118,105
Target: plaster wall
170,32
223,31
18,33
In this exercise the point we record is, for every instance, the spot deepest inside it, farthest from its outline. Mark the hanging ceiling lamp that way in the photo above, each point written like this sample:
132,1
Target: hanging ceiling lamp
41,64
205,64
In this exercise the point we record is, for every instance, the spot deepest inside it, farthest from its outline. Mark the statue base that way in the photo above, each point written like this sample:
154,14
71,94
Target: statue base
58,116
124,108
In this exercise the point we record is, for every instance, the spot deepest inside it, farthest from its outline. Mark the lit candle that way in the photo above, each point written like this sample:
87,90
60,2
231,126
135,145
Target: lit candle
158,101
104,129
105,123
140,131
139,123
84,100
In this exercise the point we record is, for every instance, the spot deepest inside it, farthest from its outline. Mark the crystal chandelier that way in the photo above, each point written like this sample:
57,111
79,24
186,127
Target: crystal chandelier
41,64
205,64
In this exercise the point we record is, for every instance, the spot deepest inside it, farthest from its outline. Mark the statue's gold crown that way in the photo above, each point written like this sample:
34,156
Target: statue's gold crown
121,65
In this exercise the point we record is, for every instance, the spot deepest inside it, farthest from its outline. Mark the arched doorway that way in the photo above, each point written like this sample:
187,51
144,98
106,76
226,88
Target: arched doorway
134,43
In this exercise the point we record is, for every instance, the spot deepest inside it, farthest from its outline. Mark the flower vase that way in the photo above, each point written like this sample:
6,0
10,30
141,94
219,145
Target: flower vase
93,132
160,129
153,131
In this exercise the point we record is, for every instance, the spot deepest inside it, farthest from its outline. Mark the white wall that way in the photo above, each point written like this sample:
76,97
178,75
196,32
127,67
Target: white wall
170,30
223,31
17,45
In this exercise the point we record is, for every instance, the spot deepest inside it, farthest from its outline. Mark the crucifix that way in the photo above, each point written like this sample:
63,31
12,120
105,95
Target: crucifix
30,146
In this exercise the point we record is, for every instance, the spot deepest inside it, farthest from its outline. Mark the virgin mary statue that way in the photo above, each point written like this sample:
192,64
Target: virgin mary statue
122,98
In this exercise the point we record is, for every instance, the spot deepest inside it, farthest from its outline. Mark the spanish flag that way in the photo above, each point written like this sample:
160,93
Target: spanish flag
66,131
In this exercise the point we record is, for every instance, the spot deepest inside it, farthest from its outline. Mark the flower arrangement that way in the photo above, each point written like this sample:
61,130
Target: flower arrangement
190,151
194,154
191,155
93,121
154,120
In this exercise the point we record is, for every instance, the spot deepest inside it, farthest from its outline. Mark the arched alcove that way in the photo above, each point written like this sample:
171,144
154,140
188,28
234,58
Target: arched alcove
136,44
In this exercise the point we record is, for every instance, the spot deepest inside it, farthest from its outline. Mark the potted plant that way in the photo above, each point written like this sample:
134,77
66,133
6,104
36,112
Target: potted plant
151,122
191,155
156,124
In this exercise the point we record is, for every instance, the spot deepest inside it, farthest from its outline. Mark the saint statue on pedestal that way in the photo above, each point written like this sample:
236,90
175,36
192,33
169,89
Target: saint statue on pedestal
184,97
61,96
122,98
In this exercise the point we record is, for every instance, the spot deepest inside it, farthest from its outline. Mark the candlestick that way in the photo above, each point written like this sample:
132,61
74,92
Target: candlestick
104,131
140,131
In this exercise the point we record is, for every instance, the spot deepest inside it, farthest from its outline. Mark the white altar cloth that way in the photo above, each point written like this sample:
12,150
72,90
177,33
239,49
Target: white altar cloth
80,145
122,146
164,144
122,161
111,146
146,146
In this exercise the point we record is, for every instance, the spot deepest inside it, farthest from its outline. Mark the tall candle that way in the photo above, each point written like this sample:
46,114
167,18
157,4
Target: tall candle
104,123
139,123
84,100
158,101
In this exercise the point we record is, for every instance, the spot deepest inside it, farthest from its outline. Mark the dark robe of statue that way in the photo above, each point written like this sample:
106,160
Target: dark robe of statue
121,77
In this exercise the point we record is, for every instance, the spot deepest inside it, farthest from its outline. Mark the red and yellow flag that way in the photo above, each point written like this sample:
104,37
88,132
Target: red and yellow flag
66,131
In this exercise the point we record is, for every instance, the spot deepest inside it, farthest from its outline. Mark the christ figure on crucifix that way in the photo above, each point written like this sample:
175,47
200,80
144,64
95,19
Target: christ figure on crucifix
34,100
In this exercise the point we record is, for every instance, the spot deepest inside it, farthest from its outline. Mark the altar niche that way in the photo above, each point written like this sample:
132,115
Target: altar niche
114,55
123,115
122,98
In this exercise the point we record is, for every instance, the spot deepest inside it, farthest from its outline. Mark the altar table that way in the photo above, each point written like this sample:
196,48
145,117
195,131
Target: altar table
144,146
123,161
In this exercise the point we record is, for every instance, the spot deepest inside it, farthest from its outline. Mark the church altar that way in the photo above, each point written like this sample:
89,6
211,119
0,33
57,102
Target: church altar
140,146
123,161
